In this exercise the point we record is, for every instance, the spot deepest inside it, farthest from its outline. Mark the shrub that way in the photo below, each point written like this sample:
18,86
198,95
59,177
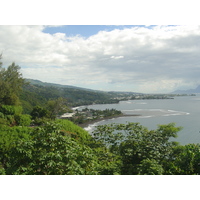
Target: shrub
23,120
49,152
10,110
69,126
7,110
39,112
3,121
18,110
2,170
10,119
1,115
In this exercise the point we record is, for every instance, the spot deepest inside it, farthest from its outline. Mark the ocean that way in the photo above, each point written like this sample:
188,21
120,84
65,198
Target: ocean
183,110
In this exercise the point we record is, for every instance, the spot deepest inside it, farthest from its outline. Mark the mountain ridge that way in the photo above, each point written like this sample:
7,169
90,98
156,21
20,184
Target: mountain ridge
48,84
190,91
41,83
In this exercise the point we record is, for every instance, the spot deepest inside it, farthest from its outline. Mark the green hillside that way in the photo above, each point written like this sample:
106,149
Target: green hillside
39,93
38,82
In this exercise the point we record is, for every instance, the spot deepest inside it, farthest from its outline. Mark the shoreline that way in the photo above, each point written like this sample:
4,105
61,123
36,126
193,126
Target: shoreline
86,124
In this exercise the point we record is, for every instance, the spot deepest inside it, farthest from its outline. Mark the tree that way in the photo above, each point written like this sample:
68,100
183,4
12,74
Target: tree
150,167
184,160
137,146
56,107
0,59
22,120
11,83
39,112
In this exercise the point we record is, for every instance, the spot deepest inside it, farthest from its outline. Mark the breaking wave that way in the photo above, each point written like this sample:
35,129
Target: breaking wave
146,113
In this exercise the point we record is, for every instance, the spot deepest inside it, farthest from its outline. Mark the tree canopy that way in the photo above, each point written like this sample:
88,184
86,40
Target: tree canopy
11,83
140,150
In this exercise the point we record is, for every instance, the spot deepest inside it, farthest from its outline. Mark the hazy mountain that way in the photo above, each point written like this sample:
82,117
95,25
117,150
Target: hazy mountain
190,91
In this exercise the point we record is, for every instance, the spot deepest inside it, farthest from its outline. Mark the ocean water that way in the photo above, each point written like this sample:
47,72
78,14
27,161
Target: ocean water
184,111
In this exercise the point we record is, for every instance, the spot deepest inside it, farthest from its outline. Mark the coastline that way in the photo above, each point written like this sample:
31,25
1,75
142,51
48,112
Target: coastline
86,124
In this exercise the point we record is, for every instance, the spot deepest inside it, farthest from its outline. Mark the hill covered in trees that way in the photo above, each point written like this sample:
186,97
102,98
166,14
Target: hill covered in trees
36,92
39,143
39,93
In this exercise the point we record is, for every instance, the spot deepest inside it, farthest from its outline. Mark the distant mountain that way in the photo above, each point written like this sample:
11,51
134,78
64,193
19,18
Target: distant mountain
191,91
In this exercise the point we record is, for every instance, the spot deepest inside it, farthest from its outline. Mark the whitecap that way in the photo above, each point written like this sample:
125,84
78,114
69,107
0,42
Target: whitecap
90,127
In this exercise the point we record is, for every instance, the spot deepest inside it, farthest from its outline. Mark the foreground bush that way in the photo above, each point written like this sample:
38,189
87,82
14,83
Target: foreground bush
55,148
61,147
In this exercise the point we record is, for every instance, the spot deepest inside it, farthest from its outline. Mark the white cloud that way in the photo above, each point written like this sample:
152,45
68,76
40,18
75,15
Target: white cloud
117,57
140,59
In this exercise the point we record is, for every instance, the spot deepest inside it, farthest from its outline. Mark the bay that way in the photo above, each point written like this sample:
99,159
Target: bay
184,111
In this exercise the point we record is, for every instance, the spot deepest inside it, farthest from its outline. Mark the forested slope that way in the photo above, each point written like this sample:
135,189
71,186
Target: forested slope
39,94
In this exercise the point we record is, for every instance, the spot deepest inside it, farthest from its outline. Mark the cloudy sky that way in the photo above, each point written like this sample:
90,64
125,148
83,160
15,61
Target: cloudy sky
150,59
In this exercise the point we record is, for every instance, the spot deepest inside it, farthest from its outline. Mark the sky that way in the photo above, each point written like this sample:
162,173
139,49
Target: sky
137,58
82,43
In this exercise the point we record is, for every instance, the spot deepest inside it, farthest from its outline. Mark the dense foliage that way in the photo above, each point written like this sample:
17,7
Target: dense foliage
61,147
57,147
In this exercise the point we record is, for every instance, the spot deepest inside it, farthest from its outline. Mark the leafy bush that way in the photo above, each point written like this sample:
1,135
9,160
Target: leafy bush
150,167
74,129
48,151
41,121
142,151
39,112
2,170
10,120
9,136
23,120
1,115
4,121
61,147
18,110
10,110
7,110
